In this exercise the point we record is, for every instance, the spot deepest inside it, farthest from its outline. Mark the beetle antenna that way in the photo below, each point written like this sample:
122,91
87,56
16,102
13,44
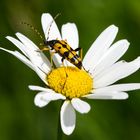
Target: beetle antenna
52,23
33,28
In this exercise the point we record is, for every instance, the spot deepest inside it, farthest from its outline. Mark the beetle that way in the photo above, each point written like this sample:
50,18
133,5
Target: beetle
65,51
60,46
63,48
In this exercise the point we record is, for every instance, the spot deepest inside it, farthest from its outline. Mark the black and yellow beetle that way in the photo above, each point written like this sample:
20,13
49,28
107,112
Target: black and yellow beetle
60,46
65,51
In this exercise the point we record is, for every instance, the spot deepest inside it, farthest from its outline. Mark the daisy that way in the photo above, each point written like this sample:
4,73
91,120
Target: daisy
70,84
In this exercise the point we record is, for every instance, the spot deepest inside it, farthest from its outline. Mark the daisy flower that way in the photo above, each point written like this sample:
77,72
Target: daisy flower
70,84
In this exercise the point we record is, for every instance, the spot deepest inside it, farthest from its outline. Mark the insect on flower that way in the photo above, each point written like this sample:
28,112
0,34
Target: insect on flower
61,47
73,84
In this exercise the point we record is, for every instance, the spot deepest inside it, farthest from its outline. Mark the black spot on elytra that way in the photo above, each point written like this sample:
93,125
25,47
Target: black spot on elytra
66,54
72,60
64,46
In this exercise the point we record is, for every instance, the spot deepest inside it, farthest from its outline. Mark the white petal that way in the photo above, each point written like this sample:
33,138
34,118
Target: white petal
43,98
40,101
38,88
27,42
41,74
111,68
108,95
52,96
57,60
18,44
46,21
54,33
119,87
20,57
68,118
70,33
99,47
116,74
37,58
114,53
80,106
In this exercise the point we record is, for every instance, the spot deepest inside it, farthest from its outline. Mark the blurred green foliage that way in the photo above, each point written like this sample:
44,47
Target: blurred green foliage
108,120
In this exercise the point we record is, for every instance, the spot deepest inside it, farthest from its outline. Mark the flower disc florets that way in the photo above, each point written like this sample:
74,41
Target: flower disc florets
70,81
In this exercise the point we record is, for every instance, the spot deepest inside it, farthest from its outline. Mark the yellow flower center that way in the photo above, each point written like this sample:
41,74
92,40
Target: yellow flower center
70,81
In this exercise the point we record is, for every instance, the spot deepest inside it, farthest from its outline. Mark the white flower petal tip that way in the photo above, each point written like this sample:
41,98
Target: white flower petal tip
20,57
3,49
126,42
122,43
46,14
26,41
120,96
80,106
46,20
114,53
119,88
54,34
40,101
100,46
41,64
8,37
108,96
70,33
68,118
113,74
113,27
38,88
44,17
44,97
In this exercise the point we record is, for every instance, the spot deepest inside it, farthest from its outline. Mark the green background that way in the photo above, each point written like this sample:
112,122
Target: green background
20,119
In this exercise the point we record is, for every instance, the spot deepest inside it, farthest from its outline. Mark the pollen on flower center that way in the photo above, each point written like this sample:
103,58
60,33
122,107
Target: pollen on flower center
70,81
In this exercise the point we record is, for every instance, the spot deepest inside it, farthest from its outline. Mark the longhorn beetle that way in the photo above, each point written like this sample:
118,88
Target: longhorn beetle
61,47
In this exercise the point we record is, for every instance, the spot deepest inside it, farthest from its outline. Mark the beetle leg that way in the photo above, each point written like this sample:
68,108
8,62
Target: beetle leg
62,59
65,69
51,60
81,53
78,49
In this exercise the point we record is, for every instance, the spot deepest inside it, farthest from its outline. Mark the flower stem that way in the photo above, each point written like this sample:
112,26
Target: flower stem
59,130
